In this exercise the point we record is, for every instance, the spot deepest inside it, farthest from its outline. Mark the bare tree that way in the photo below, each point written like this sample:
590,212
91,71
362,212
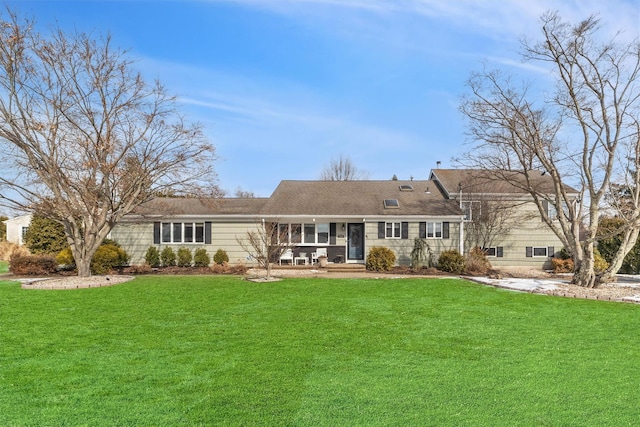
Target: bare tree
83,138
583,133
342,169
267,243
244,194
489,220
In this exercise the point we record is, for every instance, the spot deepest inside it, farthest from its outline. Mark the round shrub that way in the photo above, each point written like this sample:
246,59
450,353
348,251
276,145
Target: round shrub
168,257
184,257
451,261
220,257
107,257
380,259
152,257
201,258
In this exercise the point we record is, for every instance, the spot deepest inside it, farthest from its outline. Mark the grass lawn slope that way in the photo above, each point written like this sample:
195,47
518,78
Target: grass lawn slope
314,352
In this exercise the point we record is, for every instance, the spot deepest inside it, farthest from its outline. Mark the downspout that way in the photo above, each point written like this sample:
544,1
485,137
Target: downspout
461,243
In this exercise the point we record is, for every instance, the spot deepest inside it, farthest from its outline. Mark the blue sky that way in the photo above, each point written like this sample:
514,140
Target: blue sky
284,86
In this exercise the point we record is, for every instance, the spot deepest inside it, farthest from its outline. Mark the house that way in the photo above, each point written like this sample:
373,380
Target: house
347,218
455,209
17,228
501,217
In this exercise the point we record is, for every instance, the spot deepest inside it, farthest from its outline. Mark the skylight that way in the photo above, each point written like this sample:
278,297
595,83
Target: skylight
391,204
406,187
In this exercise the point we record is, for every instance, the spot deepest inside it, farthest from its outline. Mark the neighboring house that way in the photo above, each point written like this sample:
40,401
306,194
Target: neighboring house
501,217
347,218
17,228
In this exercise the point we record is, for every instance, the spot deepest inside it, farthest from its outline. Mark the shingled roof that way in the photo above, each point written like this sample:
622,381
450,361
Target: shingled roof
358,198
171,206
491,182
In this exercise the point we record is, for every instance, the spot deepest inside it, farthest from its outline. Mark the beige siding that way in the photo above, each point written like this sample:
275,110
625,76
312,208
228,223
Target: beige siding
136,238
403,247
531,232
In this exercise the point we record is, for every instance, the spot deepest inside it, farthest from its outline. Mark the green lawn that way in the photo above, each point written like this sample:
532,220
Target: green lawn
314,352
4,266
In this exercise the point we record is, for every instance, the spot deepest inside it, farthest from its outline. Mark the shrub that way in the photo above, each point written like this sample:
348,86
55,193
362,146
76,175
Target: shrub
220,268
184,257
168,257
9,249
45,236
380,259
152,257
138,269
476,262
421,255
451,261
65,257
599,263
220,256
107,257
562,265
201,258
239,268
32,265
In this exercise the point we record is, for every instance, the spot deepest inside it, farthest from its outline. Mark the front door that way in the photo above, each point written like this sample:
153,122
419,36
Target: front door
355,242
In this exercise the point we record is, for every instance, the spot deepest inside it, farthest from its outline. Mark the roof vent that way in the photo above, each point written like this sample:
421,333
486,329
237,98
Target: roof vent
406,187
391,204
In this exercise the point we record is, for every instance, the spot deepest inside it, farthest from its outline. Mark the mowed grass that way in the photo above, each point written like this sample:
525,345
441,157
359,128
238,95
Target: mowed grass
314,352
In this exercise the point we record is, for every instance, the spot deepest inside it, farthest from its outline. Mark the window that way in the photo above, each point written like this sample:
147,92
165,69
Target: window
179,232
471,210
309,233
293,233
494,251
434,230
199,232
539,251
296,233
391,204
188,233
166,232
406,187
323,233
392,230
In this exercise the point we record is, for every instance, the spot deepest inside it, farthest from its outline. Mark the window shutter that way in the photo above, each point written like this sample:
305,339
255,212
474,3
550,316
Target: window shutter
422,230
529,250
551,251
445,230
404,230
332,233
207,233
381,233
500,252
156,233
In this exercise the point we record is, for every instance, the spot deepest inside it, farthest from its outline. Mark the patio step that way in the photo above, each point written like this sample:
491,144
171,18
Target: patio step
346,267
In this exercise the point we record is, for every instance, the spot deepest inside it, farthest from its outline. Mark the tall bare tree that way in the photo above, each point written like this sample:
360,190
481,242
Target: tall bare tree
342,169
584,133
83,138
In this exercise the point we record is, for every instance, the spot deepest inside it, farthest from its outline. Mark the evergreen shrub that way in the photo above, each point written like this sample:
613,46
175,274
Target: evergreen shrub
380,259
452,261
